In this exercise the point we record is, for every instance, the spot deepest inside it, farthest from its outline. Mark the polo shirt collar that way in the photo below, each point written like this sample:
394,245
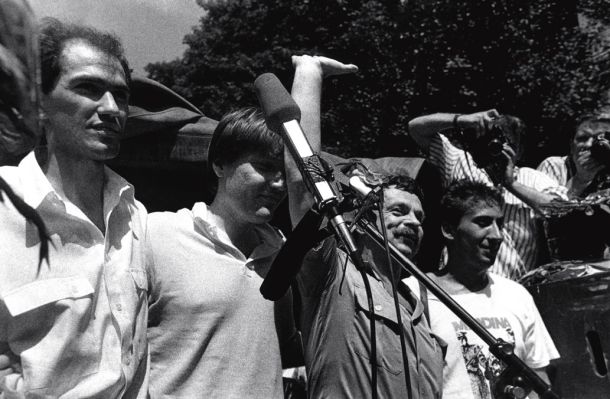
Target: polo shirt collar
270,239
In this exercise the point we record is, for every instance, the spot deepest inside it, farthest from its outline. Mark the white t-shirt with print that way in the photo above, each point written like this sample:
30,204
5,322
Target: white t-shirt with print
507,311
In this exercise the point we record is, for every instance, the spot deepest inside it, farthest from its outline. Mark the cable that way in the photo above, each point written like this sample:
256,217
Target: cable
318,166
369,297
403,345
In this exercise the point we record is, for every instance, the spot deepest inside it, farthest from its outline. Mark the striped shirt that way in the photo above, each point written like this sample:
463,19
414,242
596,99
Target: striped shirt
519,250
558,168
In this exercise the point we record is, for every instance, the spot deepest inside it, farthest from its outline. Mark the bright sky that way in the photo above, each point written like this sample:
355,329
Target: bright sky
151,30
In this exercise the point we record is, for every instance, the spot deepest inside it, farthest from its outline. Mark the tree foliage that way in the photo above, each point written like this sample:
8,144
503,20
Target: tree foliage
530,59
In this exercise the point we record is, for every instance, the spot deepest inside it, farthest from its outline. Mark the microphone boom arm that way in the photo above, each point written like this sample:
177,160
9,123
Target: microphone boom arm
326,201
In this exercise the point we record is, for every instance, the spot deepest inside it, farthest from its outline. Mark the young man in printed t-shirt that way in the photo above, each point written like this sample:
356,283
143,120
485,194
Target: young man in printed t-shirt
472,220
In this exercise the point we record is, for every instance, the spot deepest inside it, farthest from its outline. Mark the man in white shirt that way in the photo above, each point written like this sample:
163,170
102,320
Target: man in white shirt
212,334
578,170
76,325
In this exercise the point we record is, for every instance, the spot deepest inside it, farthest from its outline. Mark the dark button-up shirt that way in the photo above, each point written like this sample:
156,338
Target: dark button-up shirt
335,322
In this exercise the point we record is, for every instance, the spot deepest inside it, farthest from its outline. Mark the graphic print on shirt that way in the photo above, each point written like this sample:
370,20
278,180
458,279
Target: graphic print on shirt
481,366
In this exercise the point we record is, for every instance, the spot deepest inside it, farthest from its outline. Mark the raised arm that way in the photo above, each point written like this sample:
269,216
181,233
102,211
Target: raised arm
423,128
529,195
307,92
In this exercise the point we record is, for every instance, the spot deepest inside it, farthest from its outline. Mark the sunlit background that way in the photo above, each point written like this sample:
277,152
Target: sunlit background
151,30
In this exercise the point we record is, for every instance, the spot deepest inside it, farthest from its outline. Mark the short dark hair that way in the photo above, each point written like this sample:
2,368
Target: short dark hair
593,122
240,132
462,195
54,34
405,183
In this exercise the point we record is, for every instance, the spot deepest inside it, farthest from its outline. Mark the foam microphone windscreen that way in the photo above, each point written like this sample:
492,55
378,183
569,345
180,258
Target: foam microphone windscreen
275,101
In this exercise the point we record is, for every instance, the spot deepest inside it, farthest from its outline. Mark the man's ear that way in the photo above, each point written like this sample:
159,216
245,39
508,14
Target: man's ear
218,169
448,231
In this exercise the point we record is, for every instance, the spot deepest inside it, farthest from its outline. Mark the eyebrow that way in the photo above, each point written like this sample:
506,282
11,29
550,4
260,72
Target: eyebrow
99,81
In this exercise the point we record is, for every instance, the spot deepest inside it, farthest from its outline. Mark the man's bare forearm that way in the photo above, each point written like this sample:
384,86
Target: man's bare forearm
307,93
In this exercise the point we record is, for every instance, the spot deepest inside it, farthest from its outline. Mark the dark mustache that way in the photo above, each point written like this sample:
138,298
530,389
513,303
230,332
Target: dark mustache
407,230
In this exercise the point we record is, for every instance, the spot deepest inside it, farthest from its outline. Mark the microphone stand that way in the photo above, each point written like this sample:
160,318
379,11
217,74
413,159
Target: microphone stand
517,373
282,115
327,204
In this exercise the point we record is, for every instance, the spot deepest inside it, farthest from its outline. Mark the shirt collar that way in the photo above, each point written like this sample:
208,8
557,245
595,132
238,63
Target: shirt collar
271,239
415,302
368,250
570,166
39,187
115,189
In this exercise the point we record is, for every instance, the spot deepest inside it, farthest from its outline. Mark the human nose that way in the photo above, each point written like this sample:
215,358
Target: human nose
411,219
108,105
588,142
496,232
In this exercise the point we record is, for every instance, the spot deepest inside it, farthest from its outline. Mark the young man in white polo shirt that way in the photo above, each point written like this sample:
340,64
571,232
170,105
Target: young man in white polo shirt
211,332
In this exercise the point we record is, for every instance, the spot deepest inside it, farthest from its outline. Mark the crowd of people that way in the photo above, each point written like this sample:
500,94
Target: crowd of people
127,304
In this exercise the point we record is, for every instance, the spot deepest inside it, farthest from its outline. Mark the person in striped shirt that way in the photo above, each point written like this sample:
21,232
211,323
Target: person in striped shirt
578,170
523,189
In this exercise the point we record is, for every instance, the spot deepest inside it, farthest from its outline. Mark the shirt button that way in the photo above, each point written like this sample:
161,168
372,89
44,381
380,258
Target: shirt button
128,361
378,308
119,307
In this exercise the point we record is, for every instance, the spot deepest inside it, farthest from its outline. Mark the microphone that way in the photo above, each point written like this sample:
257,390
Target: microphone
282,115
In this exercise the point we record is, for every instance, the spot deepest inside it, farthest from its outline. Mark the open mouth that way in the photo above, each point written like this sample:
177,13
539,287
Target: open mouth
108,127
